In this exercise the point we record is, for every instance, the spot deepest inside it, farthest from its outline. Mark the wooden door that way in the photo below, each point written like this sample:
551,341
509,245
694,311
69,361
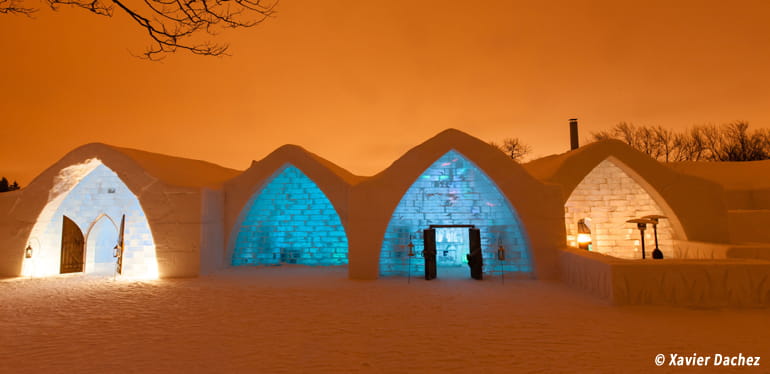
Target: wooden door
119,246
475,259
72,247
429,253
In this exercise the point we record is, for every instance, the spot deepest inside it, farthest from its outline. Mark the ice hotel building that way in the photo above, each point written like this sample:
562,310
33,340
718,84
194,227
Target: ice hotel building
446,206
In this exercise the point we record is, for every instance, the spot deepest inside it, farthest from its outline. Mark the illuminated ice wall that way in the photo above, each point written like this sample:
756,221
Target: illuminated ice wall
607,197
95,198
454,191
290,221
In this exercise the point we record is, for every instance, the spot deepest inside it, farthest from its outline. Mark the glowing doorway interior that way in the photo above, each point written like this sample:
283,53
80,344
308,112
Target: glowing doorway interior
95,198
291,221
100,244
609,197
453,191
452,246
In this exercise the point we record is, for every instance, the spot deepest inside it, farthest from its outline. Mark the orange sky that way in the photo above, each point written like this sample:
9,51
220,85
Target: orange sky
361,82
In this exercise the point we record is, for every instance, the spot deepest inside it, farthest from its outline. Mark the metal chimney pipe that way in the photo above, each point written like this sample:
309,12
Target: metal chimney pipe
573,134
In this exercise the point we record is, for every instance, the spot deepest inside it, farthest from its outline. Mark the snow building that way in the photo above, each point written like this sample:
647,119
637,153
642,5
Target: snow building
452,206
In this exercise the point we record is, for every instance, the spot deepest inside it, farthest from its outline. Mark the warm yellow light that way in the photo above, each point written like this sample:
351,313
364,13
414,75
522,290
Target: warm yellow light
583,238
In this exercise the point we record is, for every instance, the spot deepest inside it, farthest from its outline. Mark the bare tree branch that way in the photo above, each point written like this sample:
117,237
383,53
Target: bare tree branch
13,7
173,24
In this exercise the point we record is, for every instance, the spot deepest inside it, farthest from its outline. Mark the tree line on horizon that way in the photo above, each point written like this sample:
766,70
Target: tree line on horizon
727,142
5,186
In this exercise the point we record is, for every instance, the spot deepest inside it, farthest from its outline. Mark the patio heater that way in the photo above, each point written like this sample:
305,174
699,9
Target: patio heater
641,224
655,218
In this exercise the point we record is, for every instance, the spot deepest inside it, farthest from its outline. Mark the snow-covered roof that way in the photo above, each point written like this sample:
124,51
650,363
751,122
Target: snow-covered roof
731,175
171,170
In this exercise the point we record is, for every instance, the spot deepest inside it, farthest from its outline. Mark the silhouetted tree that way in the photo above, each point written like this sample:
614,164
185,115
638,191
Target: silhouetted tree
729,142
514,148
171,24
5,186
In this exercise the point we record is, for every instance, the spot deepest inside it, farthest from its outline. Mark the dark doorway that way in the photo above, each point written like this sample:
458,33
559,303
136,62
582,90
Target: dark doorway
429,253
72,247
474,257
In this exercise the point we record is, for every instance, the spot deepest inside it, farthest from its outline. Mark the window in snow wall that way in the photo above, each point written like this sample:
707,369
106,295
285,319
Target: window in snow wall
291,221
454,191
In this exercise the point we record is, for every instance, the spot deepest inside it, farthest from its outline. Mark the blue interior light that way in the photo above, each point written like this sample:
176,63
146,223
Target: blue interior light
291,221
454,191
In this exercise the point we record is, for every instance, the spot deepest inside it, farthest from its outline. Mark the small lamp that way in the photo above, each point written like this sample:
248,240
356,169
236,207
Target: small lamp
584,234
28,251
500,250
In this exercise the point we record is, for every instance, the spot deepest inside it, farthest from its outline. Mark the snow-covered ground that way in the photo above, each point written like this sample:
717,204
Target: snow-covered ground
315,320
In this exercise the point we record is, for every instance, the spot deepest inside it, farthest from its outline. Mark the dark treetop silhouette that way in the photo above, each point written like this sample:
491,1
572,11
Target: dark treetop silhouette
171,24
728,142
5,186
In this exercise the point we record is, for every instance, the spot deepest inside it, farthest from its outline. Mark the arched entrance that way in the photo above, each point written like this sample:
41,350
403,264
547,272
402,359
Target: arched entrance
605,199
86,193
453,195
101,241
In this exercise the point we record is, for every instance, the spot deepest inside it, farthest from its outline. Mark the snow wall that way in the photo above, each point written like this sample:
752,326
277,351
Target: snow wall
690,283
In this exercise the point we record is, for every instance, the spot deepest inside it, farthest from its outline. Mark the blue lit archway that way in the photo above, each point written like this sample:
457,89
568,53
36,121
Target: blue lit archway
454,191
291,221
